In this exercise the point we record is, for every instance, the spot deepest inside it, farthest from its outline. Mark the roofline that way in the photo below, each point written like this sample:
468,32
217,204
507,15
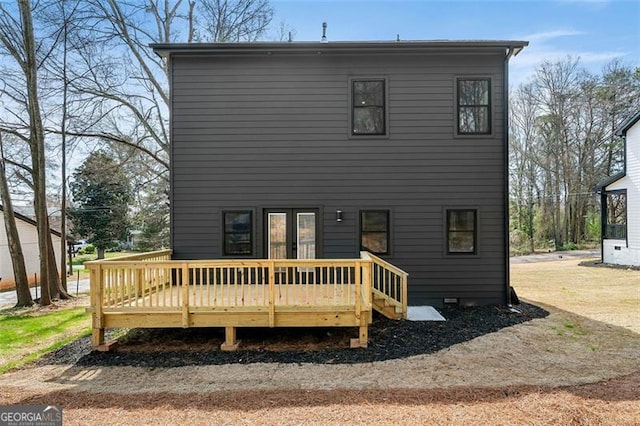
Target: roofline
611,179
30,221
628,124
302,47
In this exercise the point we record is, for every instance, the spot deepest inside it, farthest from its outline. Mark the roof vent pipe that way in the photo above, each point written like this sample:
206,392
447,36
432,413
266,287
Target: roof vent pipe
324,32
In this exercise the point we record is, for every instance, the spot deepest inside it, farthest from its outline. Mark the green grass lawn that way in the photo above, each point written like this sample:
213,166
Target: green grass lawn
27,334
80,259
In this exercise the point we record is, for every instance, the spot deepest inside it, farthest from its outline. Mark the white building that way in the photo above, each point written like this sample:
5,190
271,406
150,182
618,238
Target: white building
28,233
620,198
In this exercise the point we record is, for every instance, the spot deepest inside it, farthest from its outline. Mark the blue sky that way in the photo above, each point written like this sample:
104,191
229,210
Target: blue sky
595,30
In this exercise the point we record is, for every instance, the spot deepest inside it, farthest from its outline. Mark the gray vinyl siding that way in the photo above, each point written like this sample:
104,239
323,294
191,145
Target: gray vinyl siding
254,132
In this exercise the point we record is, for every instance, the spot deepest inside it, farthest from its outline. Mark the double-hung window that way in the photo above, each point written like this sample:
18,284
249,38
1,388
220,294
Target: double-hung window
374,231
462,231
368,107
474,106
238,226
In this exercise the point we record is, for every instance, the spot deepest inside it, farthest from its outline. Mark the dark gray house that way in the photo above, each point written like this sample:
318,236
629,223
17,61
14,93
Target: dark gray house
320,150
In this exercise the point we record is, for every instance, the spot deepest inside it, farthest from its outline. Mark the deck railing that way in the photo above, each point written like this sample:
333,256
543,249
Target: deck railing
388,280
151,284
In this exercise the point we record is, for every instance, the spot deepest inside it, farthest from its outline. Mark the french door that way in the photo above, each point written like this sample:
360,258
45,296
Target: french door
291,233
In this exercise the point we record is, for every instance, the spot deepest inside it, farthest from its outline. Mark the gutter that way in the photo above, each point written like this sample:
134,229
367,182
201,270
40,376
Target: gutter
470,47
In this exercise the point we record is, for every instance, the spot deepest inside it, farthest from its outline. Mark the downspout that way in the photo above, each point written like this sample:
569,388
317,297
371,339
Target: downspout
510,52
603,220
169,59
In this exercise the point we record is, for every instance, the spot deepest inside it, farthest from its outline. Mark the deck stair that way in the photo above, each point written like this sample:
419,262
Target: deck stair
389,288
387,306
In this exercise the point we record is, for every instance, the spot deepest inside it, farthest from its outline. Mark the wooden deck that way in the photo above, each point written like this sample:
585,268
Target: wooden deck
150,290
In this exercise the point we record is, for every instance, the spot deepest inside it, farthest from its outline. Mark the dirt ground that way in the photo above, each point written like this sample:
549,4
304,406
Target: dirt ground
579,365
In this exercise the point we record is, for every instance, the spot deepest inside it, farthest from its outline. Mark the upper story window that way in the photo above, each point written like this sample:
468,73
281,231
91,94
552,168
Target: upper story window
462,231
474,106
368,107
238,227
374,231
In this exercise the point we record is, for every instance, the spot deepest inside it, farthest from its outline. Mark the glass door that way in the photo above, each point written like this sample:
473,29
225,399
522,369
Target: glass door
277,235
305,247
291,233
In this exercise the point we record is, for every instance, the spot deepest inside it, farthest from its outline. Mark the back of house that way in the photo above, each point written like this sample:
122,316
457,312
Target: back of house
320,150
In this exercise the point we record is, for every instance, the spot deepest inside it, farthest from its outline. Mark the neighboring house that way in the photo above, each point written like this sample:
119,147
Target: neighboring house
320,150
28,232
620,202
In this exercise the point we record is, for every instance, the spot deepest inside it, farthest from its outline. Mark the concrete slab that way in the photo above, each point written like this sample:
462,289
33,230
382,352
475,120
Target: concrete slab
423,313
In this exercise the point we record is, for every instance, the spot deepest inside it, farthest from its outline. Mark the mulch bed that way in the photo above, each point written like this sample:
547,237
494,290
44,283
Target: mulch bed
600,264
388,339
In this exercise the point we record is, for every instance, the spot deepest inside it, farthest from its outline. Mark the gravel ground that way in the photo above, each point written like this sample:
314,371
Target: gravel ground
388,339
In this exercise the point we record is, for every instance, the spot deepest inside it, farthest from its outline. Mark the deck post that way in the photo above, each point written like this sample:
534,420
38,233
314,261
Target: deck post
367,291
364,332
362,340
272,294
97,295
358,287
363,321
404,295
230,343
185,295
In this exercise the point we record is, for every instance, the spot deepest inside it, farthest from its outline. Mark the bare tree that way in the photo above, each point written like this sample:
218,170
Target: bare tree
233,20
17,37
524,164
563,143
123,94
285,32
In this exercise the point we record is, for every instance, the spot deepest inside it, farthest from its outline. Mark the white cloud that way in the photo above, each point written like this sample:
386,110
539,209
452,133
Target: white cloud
523,66
534,57
550,35
550,45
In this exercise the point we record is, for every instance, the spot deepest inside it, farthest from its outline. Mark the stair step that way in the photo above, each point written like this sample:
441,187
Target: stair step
386,305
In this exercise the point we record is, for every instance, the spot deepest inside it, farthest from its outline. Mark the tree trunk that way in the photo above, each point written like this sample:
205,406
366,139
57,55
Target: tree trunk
55,287
36,141
53,279
13,239
45,295
63,137
100,253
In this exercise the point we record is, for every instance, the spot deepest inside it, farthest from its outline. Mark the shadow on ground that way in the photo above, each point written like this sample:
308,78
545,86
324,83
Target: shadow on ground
388,339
